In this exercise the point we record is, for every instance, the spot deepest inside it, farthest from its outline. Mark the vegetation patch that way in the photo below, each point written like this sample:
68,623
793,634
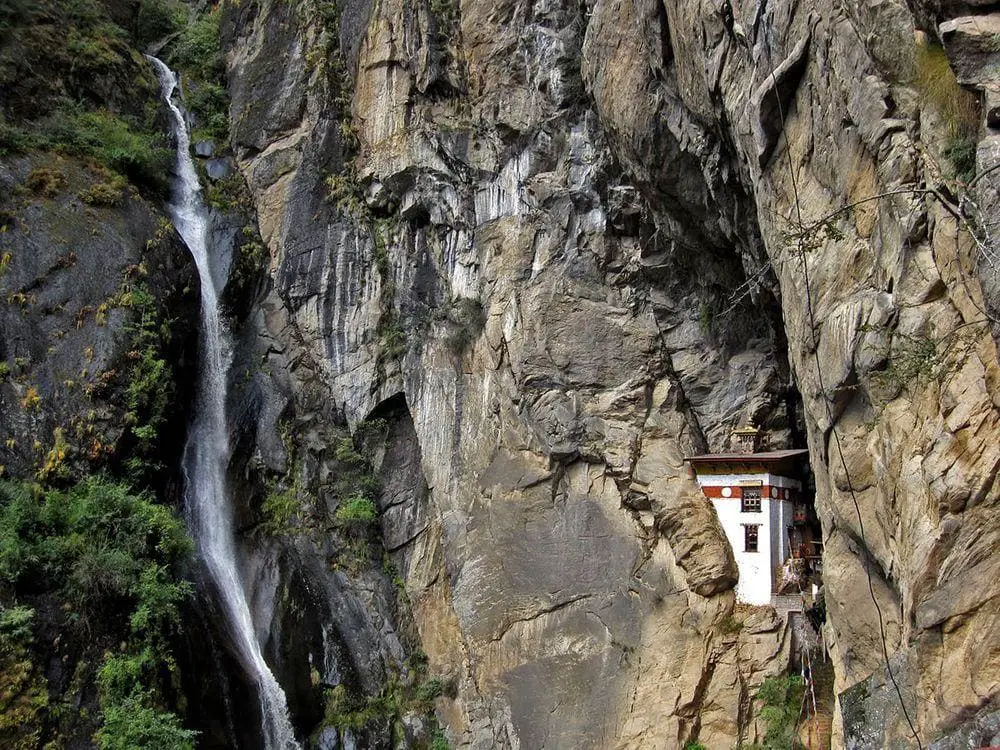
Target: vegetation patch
112,140
781,699
197,53
283,506
356,510
410,691
45,182
157,20
107,193
111,557
24,696
958,109
466,318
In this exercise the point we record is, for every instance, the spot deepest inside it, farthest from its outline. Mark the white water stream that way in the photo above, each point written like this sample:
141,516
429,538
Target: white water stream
207,452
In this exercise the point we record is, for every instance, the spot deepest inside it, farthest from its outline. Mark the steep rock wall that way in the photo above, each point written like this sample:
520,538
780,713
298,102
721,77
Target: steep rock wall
569,245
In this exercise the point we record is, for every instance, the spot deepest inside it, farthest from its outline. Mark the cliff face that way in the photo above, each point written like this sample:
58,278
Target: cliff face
553,248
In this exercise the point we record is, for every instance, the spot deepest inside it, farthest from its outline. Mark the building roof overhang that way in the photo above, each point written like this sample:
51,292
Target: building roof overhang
782,463
743,458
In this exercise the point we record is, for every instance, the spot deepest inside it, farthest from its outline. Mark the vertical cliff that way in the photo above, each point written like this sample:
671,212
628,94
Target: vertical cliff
497,268
552,249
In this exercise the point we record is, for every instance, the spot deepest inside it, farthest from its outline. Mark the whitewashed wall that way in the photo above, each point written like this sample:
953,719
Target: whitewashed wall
756,568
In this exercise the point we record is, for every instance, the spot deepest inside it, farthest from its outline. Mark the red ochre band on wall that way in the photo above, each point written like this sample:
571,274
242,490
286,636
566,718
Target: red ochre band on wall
713,492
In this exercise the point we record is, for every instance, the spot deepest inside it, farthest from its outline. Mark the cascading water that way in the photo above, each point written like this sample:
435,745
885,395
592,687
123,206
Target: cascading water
207,452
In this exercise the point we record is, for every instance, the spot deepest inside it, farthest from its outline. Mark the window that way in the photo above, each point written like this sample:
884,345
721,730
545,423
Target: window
751,500
750,537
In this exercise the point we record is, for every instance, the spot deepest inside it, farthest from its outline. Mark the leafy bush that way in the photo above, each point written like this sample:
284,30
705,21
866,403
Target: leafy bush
209,103
782,702
102,543
97,50
101,135
198,51
156,20
356,510
110,554
109,139
961,152
13,140
130,718
280,508
132,723
16,627
23,694
108,193
430,689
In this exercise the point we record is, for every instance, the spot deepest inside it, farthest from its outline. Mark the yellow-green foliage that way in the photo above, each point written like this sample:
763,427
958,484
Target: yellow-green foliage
416,693
54,466
280,509
936,82
23,694
31,400
45,182
958,109
356,509
111,557
108,193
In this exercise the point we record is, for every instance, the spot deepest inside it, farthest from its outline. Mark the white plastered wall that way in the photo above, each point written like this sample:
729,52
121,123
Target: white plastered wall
756,568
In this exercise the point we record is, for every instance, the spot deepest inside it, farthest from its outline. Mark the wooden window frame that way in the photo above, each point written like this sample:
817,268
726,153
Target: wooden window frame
751,537
751,507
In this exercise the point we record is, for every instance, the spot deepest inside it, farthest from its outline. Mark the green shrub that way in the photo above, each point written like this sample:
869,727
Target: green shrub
149,383
280,508
782,702
131,723
198,50
430,689
156,20
105,137
97,50
121,673
102,543
961,152
356,510
110,554
209,103
230,193
13,139
16,629
24,697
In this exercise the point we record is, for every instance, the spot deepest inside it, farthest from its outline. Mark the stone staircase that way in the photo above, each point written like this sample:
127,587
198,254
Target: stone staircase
785,603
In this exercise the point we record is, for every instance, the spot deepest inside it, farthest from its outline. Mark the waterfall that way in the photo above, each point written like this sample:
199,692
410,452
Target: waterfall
207,452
